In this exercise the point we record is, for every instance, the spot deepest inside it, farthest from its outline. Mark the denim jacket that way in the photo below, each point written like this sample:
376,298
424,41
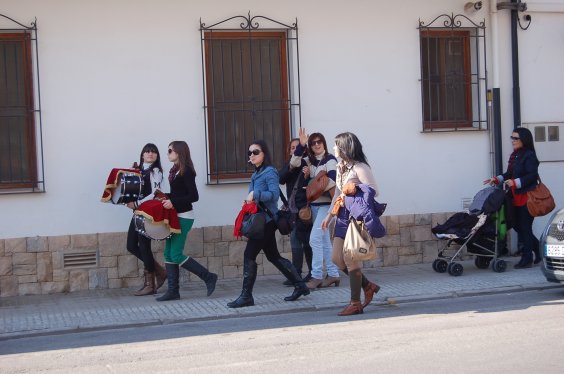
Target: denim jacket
264,184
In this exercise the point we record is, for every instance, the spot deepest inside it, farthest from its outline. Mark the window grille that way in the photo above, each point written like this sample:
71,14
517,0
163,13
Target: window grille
453,74
21,145
251,90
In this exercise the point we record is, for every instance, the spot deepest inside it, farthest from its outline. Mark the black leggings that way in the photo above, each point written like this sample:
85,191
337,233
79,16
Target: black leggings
140,246
268,245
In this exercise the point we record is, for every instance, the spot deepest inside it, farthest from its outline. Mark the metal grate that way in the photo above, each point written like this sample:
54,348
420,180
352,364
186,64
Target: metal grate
453,74
80,260
21,143
555,264
251,89
555,233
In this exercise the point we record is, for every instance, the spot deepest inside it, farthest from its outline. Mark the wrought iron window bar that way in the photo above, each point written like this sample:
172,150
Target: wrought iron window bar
37,184
478,69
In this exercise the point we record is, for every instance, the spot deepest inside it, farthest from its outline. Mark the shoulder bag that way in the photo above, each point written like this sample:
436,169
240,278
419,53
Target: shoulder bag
358,244
286,219
253,225
540,201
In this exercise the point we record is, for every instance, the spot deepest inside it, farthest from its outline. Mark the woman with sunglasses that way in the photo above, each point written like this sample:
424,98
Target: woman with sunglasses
318,160
521,176
265,191
183,193
137,244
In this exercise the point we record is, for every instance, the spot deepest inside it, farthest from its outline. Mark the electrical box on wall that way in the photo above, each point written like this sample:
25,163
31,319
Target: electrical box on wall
549,143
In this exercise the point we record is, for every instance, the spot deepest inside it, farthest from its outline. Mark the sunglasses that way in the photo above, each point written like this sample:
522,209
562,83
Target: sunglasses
150,151
514,138
255,152
170,151
316,142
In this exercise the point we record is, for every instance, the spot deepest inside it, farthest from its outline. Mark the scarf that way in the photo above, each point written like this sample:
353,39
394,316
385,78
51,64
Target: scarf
172,173
512,161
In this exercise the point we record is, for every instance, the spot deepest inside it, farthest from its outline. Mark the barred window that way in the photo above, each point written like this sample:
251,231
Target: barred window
248,94
453,76
20,142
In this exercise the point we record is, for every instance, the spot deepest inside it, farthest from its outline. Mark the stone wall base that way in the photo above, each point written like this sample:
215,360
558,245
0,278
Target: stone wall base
41,265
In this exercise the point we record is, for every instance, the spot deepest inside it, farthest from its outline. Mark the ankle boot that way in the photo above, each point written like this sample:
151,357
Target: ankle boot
160,275
171,293
149,285
370,289
355,307
249,278
290,272
201,272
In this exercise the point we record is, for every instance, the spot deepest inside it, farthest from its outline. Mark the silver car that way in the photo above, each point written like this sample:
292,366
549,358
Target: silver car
552,248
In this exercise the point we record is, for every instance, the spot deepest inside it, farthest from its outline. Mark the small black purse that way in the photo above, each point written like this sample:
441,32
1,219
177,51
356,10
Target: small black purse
285,220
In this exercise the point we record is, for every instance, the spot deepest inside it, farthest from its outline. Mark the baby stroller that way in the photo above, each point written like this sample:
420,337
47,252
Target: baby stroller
478,232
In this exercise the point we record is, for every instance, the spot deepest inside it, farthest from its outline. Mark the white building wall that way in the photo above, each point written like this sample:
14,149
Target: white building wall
118,74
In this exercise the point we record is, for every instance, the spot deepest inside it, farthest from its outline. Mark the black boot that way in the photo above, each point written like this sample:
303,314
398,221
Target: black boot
172,274
249,278
290,272
201,272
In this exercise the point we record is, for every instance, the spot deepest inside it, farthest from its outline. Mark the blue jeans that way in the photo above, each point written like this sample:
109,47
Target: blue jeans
321,246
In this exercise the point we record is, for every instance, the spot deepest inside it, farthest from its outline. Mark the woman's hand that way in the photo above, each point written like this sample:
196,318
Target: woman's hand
325,222
491,181
131,205
305,170
167,204
509,183
250,197
303,136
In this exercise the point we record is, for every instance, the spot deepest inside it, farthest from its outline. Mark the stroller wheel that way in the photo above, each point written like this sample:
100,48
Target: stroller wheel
455,269
482,262
499,266
440,265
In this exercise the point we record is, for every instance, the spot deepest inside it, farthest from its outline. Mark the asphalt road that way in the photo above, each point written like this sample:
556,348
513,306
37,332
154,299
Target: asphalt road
507,333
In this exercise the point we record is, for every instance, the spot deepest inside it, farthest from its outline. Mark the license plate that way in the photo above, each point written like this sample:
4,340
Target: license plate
554,250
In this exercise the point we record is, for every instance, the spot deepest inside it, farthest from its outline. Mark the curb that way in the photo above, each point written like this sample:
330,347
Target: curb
310,308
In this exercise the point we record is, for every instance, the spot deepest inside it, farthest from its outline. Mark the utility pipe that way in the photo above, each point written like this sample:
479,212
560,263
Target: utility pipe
495,134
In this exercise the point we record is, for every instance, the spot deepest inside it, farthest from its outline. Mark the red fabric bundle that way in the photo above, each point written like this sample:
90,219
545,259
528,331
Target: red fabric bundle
250,208
113,180
154,210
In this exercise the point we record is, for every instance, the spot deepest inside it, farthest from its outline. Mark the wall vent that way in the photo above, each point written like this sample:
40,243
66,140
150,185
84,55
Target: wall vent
80,260
466,202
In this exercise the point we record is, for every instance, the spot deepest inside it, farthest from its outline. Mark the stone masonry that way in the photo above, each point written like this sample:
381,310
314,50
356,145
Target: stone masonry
36,265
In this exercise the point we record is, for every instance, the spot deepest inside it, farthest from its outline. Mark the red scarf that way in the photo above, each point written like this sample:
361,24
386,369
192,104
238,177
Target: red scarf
172,173
250,208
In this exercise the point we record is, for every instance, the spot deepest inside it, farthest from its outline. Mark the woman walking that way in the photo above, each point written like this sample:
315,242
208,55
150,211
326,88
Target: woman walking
353,168
521,176
183,193
137,244
317,161
264,191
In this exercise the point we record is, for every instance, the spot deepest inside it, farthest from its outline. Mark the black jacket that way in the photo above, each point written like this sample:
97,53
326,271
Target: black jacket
525,168
289,177
183,191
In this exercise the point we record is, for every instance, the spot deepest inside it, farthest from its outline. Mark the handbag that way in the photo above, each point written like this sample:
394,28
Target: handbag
286,219
358,244
253,225
317,186
540,201
305,214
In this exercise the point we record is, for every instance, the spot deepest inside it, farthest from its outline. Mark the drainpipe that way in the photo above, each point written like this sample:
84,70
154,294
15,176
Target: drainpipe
495,140
515,66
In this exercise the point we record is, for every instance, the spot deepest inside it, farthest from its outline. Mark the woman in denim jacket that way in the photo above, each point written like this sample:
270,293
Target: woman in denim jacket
265,191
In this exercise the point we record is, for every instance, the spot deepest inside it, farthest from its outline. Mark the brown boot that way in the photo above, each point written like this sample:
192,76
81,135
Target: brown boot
149,288
329,281
370,290
160,275
355,307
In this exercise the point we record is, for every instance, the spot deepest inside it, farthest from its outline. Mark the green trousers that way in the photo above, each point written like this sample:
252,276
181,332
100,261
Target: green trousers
174,246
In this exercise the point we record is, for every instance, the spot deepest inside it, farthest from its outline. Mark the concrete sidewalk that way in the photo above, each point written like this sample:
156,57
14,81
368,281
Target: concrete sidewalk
105,309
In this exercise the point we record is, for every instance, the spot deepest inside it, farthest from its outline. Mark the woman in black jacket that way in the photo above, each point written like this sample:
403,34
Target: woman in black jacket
521,176
183,192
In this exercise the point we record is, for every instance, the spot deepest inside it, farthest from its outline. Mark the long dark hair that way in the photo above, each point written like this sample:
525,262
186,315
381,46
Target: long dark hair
157,163
267,161
350,148
312,137
526,138
184,159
